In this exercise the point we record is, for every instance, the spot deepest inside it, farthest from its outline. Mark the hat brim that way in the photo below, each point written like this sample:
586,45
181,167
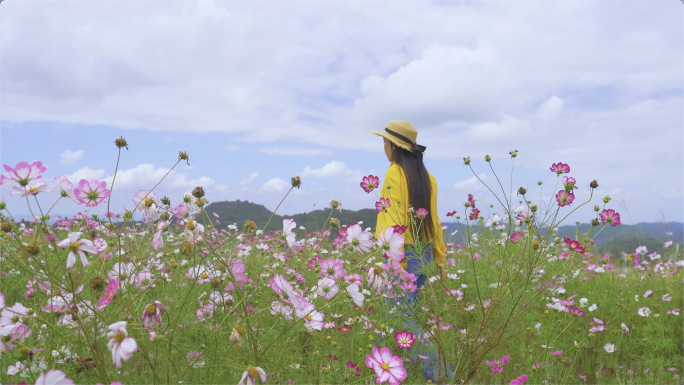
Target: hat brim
396,141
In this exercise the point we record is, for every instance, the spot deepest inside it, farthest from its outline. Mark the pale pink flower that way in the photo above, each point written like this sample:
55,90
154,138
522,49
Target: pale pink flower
35,189
519,381
560,168
370,183
644,311
110,292
332,269
23,173
151,316
667,244
404,339
120,344
356,295
182,211
376,276
313,319
80,246
158,239
284,289
251,374
53,377
148,203
610,348
391,244
393,268
91,192
625,329
515,236
204,313
353,279
610,216
497,366
598,328
11,334
386,366
290,236
327,288
565,198
382,205
66,188
360,240
641,250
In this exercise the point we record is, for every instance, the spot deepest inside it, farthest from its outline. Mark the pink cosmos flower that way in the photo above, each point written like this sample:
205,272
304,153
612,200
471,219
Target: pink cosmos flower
148,203
327,288
356,295
667,244
471,201
353,279
23,173
391,244
497,366
204,313
313,319
458,294
610,216
92,192
290,236
251,374
12,334
474,215
393,268
519,381
641,250
284,289
386,366
451,214
354,367
625,329
80,246
370,183
53,377
560,168
37,188
359,239
598,328
644,311
574,245
120,344
569,183
515,236
383,205
182,211
404,339
565,198
158,239
332,269
109,294
376,276
142,280
66,188
151,316
421,213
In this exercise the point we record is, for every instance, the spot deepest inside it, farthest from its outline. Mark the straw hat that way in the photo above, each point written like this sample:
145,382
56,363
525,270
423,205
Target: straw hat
402,134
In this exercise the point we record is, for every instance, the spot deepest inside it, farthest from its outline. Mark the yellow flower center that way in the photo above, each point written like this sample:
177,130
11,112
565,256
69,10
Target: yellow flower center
378,269
309,317
74,246
151,309
204,276
498,363
149,202
385,366
32,189
404,341
253,372
119,337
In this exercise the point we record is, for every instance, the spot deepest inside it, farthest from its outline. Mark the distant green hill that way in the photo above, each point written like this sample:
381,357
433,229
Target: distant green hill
612,240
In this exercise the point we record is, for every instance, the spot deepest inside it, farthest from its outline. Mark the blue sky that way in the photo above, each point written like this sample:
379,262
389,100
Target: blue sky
259,94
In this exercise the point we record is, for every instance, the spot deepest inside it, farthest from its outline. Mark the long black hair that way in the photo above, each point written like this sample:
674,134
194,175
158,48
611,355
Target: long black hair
417,176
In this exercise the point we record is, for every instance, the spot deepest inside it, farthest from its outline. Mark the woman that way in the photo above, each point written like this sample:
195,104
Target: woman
408,183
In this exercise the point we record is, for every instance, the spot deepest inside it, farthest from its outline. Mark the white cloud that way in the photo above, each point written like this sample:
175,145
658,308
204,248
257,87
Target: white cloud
273,185
233,147
70,157
470,184
295,151
550,108
86,173
145,176
251,178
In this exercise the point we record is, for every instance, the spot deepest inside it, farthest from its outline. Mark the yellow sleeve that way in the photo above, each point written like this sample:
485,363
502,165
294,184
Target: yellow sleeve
439,248
398,196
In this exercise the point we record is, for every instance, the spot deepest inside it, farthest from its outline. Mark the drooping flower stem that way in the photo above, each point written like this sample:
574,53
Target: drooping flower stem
485,184
276,209
111,188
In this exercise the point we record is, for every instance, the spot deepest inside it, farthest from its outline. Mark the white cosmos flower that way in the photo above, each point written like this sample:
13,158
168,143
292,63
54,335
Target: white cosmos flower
610,348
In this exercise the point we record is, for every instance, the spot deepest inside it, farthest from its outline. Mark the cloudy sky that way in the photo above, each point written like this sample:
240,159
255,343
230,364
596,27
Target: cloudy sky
258,92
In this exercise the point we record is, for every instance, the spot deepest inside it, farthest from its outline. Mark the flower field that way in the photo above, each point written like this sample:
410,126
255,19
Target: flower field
102,298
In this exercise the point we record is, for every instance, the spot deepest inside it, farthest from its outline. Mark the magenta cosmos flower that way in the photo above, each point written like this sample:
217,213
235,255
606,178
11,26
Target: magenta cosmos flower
151,316
382,205
360,240
519,381
91,192
23,173
565,198
497,366
327,288
574,245
66,188
370,183
251,374
120,344
106,299
610,216
404,339
330,268
515,236
421,213
391,244
37,188
80,246
53,377
386,366
560,168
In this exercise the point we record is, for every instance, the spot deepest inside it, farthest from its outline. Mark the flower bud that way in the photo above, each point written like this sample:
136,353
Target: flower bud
606,199
184,156
121,143
522,191
128,215
514,153
6,226
535,245
533,208
595,222
466,160
23,353
596,208
593,184
164,216
166,201
546,312
296,181
539,183
328,338
97,284
249,227
488,158
186,248
32,248
198,192
334,222
2,205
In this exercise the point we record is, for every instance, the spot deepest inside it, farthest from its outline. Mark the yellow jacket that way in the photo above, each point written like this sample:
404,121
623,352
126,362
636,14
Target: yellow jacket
399,192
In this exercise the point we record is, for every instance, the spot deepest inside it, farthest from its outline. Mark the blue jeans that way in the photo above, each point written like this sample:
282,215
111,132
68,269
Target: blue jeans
404,305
